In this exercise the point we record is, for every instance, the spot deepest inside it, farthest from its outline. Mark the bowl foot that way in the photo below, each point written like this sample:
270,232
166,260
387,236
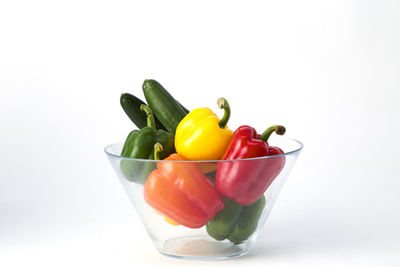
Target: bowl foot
203,248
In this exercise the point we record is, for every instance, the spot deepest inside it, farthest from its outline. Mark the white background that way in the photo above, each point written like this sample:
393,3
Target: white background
327,70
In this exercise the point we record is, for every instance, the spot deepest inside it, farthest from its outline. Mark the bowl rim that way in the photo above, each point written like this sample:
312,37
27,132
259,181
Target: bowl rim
300,147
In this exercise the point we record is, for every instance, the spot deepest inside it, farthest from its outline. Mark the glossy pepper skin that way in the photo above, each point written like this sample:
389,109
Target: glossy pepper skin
180,191
246,181
201,135
235,222
140,144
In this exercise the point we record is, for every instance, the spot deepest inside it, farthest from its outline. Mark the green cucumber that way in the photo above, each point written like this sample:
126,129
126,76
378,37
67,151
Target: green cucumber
163,105
131,105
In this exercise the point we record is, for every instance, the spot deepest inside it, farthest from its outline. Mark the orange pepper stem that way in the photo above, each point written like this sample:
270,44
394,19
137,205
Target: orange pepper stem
151,122
157,149
223,104
279,129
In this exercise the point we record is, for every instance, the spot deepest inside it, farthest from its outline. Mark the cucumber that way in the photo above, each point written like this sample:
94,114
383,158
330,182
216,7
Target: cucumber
163,105
131,105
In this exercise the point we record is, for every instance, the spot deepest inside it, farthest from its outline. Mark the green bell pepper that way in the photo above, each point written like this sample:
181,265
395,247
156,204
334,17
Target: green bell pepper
140,144
236,222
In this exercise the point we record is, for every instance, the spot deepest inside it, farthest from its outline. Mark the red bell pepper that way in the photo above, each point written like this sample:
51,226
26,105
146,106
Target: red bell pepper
180,191
246,181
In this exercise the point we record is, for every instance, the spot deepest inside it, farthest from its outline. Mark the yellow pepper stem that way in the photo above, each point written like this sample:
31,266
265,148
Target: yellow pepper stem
223,104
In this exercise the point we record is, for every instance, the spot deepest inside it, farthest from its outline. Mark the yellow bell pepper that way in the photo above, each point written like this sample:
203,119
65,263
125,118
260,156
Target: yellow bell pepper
201,135
167,219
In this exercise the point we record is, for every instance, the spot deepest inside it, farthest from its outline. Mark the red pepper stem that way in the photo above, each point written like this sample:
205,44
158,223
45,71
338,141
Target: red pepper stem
223,104
279,129
151,122
157,149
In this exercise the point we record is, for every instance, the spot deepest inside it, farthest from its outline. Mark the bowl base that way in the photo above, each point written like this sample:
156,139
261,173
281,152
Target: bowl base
202,248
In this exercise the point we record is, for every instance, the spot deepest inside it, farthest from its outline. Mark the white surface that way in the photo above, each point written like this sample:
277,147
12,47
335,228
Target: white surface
327,70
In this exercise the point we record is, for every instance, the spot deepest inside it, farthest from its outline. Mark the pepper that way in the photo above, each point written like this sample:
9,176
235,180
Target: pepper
246,181
235,222
140,144
180,191
200,135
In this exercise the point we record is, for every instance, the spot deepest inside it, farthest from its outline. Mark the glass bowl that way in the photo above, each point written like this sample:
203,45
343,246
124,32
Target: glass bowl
184,242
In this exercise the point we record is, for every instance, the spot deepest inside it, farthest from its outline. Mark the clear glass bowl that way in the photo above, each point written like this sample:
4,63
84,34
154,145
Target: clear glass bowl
188,243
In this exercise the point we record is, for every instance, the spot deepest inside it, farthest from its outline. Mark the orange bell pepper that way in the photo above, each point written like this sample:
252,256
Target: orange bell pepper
180,191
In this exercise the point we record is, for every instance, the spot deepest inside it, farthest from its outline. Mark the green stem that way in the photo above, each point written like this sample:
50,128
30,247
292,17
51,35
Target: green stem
151,122
279,129
157,149
223,104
